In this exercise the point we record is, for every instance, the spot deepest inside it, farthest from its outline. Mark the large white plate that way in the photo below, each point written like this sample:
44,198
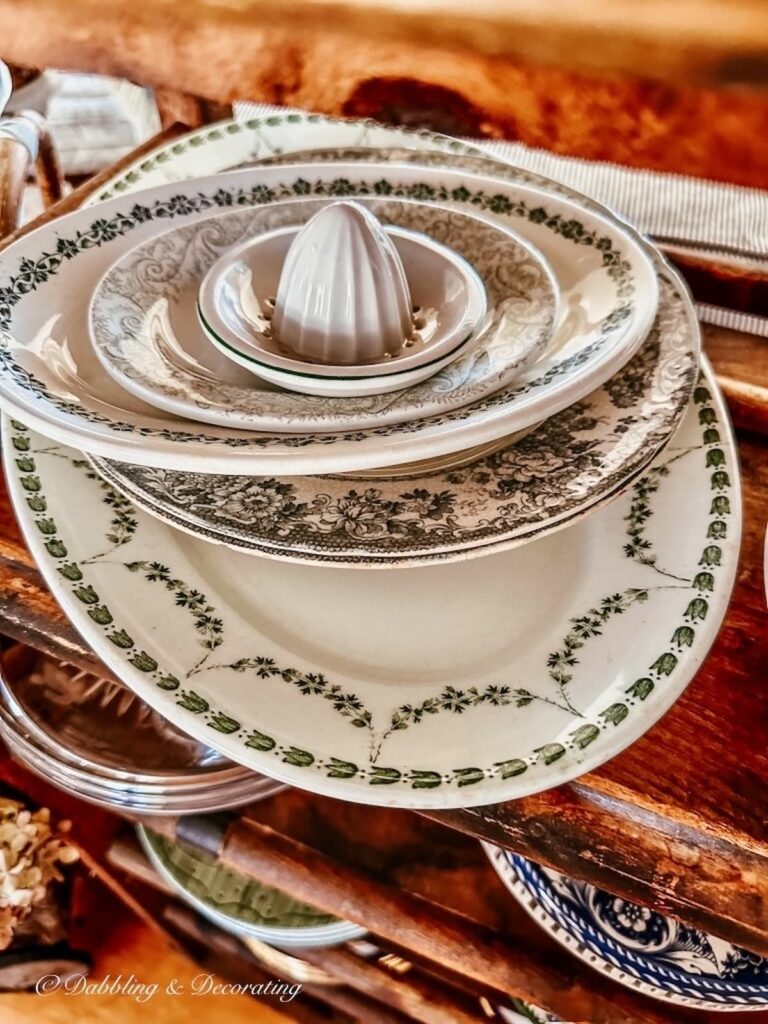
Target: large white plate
49,375
437,687
146,332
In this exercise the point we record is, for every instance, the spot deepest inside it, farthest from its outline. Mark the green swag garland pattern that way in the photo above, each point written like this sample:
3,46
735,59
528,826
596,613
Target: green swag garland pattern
451,700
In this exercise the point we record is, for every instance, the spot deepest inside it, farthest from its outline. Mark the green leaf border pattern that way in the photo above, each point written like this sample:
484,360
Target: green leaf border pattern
124,524
586,732
32,273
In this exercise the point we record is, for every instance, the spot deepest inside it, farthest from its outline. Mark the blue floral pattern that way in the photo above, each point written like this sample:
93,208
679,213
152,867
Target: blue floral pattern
670,959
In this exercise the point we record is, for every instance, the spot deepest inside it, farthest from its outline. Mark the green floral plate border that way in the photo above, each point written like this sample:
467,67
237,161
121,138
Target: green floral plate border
249,139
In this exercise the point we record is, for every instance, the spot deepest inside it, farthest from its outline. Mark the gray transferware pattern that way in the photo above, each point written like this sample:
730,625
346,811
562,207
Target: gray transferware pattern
568,464
146,333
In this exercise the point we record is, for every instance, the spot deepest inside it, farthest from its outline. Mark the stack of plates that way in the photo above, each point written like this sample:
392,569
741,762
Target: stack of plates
92,737
146,468
635,946
239,904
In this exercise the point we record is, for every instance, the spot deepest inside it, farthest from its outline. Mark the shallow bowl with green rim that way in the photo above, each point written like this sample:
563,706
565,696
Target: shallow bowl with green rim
236,300
322,386
241,904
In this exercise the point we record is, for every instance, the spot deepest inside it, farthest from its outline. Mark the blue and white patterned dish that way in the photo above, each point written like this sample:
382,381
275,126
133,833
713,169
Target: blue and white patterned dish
637,947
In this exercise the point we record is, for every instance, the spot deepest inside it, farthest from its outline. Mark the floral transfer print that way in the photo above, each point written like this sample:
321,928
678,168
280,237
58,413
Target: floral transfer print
570,460
28,275
136,306
644,944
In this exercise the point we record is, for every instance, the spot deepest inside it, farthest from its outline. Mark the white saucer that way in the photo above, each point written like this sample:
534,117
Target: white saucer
237,299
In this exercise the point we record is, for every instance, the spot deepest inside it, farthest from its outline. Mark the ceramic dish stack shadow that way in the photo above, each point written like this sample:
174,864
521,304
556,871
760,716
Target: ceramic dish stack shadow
576,442
93,737
637,947
240,904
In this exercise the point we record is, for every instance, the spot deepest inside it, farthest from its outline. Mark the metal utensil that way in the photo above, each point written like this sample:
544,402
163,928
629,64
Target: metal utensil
6,86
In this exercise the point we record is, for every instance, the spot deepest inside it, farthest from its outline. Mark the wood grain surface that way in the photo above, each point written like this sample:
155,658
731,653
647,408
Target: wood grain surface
130,948
425,889
551,75
708,40
14,164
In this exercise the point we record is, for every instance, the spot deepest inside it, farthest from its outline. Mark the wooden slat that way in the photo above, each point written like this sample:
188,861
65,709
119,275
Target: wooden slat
420,998
424,889
408,920
222,955
417,995
719,283
78,196
14,164
423,64
741,362
460,901
704,40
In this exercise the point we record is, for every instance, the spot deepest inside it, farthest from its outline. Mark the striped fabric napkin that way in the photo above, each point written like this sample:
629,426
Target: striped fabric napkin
705,218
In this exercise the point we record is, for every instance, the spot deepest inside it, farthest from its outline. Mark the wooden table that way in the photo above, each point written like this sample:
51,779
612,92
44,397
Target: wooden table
679,821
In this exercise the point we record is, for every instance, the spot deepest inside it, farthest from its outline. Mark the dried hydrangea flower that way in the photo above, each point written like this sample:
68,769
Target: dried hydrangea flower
31,855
